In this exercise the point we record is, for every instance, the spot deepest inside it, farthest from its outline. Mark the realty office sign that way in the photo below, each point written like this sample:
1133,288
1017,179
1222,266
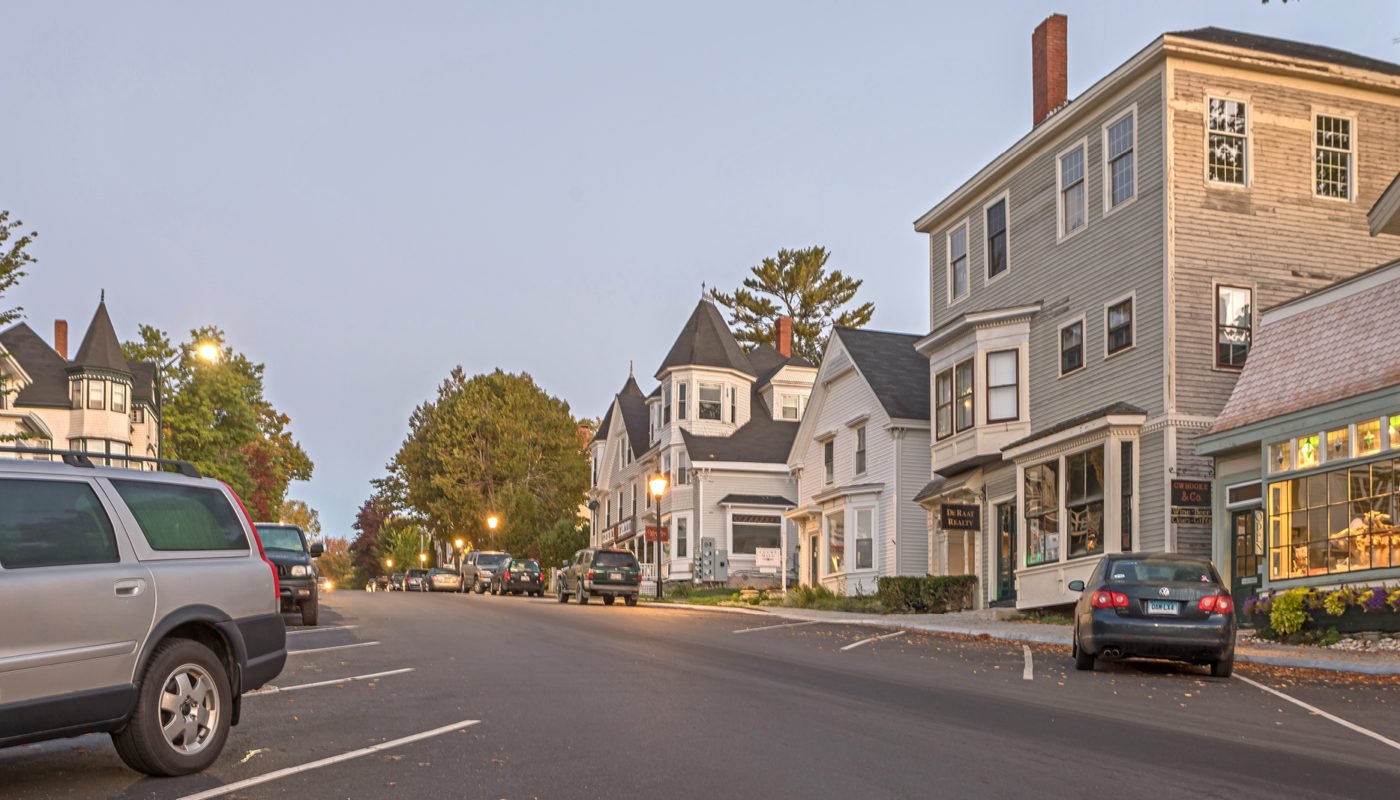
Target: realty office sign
768,559
962,517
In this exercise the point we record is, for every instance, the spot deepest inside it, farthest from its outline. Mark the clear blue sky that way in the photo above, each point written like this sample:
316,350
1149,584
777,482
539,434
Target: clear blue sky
366,194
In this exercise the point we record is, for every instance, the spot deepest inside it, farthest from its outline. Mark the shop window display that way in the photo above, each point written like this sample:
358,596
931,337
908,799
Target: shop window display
1337,521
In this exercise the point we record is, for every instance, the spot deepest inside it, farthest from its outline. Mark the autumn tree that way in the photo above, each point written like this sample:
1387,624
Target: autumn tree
298,513
14,256
796,284
364,549
337,565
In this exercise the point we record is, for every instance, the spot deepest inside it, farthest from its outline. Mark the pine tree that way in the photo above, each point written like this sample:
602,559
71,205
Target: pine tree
796,284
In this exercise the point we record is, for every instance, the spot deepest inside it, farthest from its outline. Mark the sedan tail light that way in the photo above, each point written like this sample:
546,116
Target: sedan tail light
1106,599
1219,604
590,574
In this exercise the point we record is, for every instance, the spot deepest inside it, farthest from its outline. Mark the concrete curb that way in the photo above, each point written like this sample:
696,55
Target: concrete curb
1053,635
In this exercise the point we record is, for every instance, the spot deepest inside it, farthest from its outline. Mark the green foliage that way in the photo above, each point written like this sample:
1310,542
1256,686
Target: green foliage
14,256
795,284
823,599
336,565
493,444
558,544
216,416
403,541
298,513
1288,614
932,594
1336,602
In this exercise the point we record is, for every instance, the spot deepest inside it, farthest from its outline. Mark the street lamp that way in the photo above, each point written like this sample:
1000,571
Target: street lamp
206,351
459,544
492,521
657,484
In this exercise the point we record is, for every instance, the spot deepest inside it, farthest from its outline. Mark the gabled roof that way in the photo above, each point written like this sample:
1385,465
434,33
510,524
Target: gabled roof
761,440
603,426
768,362
100,348
1288,49
893,368
45,366
635,416
705,341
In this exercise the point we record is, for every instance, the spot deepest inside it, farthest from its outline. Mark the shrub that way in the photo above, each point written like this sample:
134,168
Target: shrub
1288,614
932,594
679,591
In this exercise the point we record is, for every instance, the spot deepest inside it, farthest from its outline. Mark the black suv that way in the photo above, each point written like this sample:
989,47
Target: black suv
286,548
604,573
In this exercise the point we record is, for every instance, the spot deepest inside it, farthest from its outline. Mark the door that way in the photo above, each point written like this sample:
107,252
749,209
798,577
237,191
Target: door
1006,553
1246,555
78,604
812,559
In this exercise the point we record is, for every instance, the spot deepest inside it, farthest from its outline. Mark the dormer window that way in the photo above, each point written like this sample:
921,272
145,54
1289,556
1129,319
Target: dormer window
97,395
792,406
711,401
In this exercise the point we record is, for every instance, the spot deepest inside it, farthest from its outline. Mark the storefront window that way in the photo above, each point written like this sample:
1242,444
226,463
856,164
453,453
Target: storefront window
752,531
1368,437
1307,451
1395,433
1337,445
836,542
1334,522
1280,456
1042,483
1084,502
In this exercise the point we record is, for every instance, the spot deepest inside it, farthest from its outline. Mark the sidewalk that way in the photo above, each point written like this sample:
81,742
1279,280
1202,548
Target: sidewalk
978,623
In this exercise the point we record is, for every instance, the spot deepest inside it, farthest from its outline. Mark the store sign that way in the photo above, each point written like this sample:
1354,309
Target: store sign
1191,494
1190,516
961,517
768,559
651,534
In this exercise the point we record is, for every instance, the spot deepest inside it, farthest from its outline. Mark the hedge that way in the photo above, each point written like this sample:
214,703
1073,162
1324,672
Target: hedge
932,594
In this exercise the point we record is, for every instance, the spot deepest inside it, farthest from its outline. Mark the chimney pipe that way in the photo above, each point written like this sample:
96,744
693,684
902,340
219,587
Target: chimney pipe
1049,66
784,336
60,337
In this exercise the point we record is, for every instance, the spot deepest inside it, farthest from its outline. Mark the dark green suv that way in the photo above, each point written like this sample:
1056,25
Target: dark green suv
598,572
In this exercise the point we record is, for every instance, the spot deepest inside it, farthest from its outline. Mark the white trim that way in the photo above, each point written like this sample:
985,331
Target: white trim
967,258
1108,206
1070,434
739,466
1244,504
1060,347
1060,233
1004,196
1132,324
994,317
1215,286
1350,117
1248,101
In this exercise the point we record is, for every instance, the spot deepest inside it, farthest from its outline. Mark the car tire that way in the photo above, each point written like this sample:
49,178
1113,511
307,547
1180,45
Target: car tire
1223,667
480,588
609,599
1083,661
582,596
310,611
143,745
563,595
631,600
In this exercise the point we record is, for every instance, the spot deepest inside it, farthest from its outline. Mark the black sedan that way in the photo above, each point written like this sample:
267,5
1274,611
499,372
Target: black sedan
1155,605
520,575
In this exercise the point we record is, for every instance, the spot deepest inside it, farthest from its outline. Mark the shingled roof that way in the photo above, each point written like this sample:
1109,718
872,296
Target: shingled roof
635,416
46,368
100,348
705,341
893,368
762,439
1288,48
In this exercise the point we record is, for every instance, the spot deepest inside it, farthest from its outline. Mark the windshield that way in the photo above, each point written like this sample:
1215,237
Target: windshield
524,566
610,560
491,561
417,573
1160,570
280,537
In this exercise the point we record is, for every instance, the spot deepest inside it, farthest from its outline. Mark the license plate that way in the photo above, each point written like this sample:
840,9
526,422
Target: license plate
1163,608
614,576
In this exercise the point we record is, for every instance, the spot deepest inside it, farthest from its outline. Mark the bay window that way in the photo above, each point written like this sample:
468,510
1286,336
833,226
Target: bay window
1084,502
97,395
865,538
681,536
682,469
1003,389
943,402
964,413
681,413
711,401
836,541
734,405
666,403
1042,492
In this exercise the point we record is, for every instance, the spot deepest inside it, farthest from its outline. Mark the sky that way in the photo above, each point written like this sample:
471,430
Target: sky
364,195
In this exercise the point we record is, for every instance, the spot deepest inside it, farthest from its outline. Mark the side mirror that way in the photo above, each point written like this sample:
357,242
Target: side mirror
316,549
1076,586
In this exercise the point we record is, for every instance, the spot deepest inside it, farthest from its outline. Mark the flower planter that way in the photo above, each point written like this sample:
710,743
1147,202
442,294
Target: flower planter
1355,620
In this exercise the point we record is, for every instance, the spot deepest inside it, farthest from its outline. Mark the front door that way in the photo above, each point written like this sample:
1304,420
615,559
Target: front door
1246,553
1006,553
812,560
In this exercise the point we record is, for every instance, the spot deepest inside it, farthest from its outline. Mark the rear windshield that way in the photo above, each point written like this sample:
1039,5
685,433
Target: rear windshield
280,537
1160,571
524,566
179,517
614,560
417,573
493,560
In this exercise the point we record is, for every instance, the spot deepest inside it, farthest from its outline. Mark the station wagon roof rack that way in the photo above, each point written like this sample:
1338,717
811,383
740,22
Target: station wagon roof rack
76,458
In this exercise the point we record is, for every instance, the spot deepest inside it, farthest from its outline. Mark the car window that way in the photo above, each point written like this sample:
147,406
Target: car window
614,560
178,517
280,537
1161,571
493,560
53,523
524,566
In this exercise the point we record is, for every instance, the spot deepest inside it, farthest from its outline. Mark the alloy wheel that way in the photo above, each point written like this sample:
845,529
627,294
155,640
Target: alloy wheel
189,709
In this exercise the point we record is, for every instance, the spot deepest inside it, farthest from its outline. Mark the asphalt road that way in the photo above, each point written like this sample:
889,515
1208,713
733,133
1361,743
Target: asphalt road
615,702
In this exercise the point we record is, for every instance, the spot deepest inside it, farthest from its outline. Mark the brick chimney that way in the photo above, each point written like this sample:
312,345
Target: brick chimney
784,336
1049,66
60,337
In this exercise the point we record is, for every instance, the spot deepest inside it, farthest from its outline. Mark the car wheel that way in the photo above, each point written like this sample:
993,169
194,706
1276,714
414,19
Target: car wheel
1082,661
480,587
582,596
1223,667
310,611
609,599
563,595
631,600
182,715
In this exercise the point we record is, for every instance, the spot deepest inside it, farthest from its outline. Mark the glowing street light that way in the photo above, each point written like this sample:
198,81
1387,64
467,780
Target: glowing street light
492,521
208,351
657,483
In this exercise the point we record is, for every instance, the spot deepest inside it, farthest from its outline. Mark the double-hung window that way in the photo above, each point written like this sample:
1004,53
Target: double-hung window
1072,347
1118,154
734,405
943,402
711,401
860,450
1227,142
1332,156
682,469
997,261
865,538
1003,390
1234,324
1118,325
97,395
682,525
829,461
681,413
1084,502
666,403
964,412
792,406
957,263
119,398
1074,212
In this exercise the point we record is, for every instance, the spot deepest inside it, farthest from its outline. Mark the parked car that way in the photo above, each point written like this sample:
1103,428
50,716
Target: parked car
396,582
479,566
604,573
141,604
519,575
1155,605
444,580
377,584
416,581
286,547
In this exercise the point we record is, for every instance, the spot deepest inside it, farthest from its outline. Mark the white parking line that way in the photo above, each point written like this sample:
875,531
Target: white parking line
320,628
854,645
1029,672
280,689
1314,709
784,625
326,762
336,647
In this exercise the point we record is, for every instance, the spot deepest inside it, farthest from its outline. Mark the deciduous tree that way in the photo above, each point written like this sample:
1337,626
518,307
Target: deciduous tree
14,257
298,513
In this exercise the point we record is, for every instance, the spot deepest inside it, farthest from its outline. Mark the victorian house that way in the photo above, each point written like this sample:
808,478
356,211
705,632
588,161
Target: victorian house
97,403
1093,290
719,425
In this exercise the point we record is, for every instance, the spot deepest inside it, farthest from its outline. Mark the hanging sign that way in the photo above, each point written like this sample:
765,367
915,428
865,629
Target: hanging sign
1191,494
652,533
961,517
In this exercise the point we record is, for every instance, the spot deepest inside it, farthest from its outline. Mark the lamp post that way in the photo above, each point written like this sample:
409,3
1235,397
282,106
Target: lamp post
459,544
657,484
206,351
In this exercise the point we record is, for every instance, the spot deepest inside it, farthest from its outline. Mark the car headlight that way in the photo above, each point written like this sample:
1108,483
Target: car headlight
300,571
